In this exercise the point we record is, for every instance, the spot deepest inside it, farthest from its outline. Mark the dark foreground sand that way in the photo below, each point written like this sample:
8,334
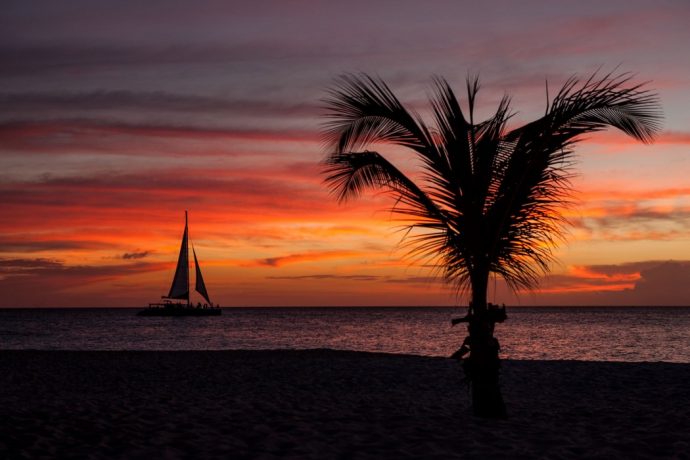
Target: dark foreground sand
325,404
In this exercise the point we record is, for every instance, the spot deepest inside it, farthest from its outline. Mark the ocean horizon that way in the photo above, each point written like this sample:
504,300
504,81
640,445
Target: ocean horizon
587,333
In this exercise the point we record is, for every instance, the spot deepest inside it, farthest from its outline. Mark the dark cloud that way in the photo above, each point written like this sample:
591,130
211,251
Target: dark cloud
269,261
69,58
665,284
415,280
206,33
58,201
628,220
65,103
649,283
135,255
48,282
57,268
638,216
11,130
629,267
9,266
56,59
327,277
304,257
387,279
25,245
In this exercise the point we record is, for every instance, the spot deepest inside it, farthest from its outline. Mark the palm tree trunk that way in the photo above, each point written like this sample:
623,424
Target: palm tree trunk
482,365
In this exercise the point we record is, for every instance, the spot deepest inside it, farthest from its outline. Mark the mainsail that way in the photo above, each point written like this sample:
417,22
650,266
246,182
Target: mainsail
200,286
180,289
180,284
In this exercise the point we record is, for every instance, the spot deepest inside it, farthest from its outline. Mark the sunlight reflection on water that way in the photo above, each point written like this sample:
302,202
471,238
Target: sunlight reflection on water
583,333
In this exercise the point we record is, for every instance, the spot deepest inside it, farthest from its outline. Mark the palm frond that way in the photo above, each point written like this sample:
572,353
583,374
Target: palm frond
452,175
526,212
598,103
362,110
490,201
349,174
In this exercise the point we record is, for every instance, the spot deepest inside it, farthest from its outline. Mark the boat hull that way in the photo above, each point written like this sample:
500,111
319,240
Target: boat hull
180,311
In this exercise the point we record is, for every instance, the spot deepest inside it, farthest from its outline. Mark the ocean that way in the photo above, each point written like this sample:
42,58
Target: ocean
564,333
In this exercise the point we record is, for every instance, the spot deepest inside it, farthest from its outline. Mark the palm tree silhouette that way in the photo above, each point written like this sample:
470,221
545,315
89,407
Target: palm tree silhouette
487,199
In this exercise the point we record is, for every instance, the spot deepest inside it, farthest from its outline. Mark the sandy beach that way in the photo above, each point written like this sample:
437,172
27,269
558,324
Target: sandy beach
331,404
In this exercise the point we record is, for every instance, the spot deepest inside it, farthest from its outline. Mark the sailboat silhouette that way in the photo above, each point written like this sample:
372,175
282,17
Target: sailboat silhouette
172,304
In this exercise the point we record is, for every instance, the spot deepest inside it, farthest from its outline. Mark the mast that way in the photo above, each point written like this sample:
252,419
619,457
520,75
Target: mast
180,285
186,242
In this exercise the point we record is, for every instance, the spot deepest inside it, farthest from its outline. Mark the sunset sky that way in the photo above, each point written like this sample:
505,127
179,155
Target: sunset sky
118,116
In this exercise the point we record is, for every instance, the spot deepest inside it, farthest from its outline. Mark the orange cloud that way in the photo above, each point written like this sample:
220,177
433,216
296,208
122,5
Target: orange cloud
586,287
614,137
591,273
306,257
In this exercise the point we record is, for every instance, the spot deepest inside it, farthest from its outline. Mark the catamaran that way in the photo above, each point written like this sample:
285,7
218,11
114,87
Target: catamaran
177,302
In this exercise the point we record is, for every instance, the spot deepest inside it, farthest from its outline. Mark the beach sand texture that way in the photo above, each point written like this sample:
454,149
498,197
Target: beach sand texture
326,404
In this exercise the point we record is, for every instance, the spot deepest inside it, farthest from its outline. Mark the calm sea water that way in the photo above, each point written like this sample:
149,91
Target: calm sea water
583,333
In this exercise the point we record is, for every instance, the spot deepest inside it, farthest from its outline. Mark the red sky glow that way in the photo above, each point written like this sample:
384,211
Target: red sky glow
120,116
